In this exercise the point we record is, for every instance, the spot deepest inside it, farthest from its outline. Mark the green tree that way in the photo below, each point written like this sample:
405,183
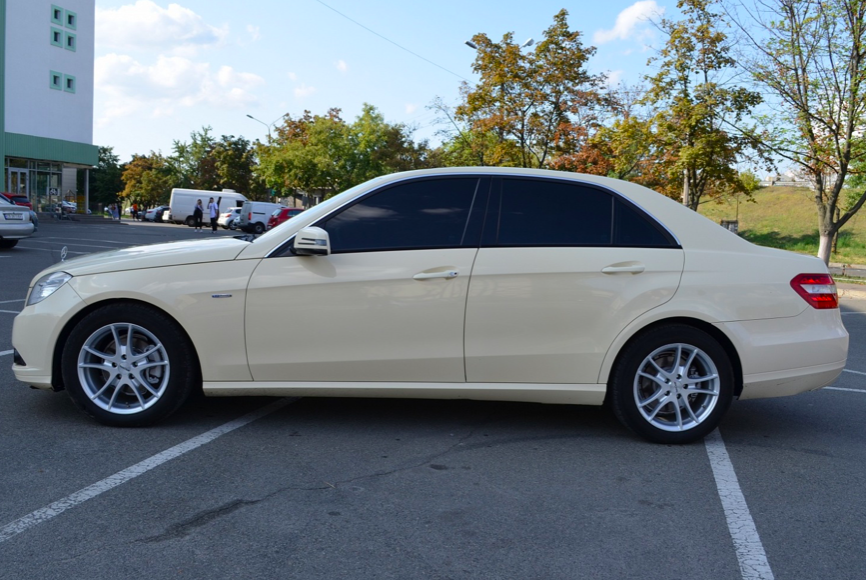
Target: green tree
192,164
810,58
324,154
106,181
235,163
695,107
516,112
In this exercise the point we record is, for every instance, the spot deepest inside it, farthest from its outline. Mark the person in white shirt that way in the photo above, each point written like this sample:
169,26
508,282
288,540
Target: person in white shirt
214,210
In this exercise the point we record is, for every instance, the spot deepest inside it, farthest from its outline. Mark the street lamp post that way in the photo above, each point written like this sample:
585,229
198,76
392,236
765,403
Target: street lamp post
267,125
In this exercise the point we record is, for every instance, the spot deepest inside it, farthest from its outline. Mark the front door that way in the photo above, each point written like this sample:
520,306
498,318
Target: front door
387,305
18,182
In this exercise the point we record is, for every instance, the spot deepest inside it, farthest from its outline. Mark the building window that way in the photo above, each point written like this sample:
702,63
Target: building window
56,80
71,19
57,15
56,37
70,41
69,83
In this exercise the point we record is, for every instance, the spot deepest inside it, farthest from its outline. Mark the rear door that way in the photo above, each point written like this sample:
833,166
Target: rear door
562,270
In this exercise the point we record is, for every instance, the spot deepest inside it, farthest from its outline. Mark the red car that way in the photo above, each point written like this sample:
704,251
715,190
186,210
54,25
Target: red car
17,199
281,215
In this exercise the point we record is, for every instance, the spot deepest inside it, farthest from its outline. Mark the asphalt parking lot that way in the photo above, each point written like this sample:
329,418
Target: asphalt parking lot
346,488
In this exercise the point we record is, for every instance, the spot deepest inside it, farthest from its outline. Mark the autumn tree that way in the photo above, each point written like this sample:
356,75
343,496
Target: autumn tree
147,180
514,114
695,107
810,57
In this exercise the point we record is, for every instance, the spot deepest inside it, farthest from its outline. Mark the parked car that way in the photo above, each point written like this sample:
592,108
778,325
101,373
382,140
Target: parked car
15,224
155,214
254,216
18,199
69,206
281,215
226,219
446,284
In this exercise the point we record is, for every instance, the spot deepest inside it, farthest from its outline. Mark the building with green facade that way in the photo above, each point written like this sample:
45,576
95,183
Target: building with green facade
46,118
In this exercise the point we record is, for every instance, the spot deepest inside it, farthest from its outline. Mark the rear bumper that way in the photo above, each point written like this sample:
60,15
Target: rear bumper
12,231
786,356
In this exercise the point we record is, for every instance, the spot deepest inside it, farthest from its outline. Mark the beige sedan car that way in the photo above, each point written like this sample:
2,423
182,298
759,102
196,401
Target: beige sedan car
467,283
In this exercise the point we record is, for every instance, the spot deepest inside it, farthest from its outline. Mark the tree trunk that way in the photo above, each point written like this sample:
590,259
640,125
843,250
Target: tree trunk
825,245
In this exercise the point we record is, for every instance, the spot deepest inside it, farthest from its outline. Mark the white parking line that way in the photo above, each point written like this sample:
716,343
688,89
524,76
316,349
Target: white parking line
11,301
49,250
70,501
5,352
11,311
747,543
844,389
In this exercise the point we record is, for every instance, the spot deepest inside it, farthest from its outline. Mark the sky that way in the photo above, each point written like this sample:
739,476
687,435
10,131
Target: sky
165,69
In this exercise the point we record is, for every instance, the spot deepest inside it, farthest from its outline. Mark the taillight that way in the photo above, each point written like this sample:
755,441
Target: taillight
819,290
250,217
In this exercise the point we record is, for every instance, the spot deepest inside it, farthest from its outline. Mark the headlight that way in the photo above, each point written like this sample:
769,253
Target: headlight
46,286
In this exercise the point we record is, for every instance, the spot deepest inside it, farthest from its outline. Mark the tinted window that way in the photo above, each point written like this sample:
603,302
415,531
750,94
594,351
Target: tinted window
429,213
634,228
535,212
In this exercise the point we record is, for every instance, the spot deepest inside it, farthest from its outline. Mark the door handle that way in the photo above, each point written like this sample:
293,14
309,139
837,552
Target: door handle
429,275
624,269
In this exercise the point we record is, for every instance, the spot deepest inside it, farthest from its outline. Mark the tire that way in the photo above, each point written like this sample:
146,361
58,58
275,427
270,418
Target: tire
649,396
258,228
233,226
8,244
110,387
190,221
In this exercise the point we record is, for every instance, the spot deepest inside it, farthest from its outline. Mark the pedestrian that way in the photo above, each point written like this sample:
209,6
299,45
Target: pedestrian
214,210
197,214
134,212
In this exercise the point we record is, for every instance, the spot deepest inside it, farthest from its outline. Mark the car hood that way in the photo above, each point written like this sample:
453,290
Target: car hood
151,256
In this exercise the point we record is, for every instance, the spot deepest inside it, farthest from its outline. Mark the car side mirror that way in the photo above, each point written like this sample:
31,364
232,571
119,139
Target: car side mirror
312,242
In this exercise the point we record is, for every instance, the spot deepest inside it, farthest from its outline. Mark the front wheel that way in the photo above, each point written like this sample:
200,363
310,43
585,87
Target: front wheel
672,385
128,365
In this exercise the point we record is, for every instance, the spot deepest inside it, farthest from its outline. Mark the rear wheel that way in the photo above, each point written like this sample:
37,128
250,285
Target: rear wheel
128,365
8,244
258,228
190,221
672,385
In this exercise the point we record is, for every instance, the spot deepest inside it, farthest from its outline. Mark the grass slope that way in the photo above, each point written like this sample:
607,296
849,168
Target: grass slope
785,217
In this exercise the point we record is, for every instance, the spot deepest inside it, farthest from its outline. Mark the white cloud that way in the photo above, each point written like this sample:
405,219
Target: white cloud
411,108
628,21
173,82
614,77
293,76
304,91
146,25
342,66
254,32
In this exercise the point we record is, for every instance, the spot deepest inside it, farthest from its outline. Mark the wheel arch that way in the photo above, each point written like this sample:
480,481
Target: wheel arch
56,372
719,336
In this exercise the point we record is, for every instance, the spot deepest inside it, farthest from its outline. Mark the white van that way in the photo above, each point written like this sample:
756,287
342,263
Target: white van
182,203
255,214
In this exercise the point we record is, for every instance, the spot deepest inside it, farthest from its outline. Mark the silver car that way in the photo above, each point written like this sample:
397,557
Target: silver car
15,224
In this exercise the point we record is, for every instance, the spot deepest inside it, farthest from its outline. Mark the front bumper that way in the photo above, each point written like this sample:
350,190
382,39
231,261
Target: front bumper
35,332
